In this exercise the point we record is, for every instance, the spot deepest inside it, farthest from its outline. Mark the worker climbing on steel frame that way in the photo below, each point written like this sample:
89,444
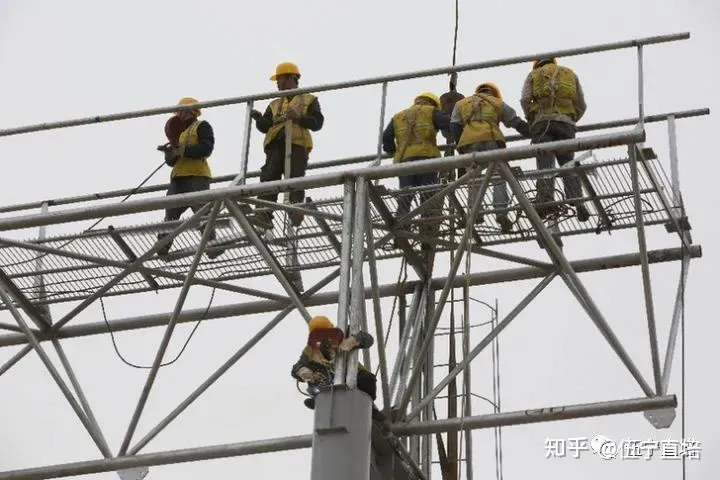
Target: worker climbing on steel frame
304,113
553,102
475,127
411,135
316,365
190,144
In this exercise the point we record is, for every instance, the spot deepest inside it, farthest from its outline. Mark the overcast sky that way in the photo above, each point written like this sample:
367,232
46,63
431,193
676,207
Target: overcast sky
78,58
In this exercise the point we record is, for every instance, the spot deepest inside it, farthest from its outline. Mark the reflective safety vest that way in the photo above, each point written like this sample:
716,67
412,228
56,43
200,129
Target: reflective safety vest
190,167
554,90
415,133
279,107
316,356
481,115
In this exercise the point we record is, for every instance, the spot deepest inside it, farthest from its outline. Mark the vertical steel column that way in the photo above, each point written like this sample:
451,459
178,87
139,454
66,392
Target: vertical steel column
641,87
242,178
645,268
409,359
428,370
467,398
381,128
406,333
379,331
674,167
39,265
674,326
209,226
345,257
357,295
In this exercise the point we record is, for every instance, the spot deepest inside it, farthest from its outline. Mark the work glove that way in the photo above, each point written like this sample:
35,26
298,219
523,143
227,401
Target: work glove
348,344
279,119
293,114
172,155
306,374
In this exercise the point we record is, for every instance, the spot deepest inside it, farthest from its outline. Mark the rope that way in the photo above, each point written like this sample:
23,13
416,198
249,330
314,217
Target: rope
682,343
133,192
453,76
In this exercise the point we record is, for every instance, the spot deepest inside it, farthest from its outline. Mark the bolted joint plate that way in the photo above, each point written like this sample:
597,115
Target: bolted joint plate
133,473
662,418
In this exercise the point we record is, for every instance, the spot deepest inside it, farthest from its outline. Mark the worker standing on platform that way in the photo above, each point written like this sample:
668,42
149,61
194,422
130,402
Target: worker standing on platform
412,135
316,365
188,156
475,127
306,116
553,102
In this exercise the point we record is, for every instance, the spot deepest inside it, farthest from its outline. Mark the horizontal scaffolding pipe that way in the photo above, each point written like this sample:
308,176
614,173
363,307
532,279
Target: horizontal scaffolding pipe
348,84
636,135
628,122
390,290
305,441
161,458
549,414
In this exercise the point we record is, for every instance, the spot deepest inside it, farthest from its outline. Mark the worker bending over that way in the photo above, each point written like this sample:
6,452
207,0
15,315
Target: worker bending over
553,102
412,135
190,168
316,365
475,127
306,116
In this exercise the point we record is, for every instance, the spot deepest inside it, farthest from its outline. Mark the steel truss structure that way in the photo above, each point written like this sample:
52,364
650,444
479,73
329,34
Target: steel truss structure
343,234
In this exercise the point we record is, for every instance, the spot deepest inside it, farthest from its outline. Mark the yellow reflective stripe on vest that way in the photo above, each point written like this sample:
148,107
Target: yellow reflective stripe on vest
481,117
554,90
279,107
190,167
415,133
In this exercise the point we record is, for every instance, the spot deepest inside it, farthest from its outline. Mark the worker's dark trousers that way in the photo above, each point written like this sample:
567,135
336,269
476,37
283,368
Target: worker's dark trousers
404,200
180,185
499,187
367,382
274,169
550,131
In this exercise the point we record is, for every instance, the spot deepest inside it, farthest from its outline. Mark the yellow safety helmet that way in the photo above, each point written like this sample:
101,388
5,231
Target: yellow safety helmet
320,321
430,96
190,101
286,68
489,86
539,61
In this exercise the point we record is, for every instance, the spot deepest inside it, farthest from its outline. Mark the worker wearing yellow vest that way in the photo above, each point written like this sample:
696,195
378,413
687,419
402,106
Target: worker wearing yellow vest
553,102
306,116
190,168
411,135
316,365
475,127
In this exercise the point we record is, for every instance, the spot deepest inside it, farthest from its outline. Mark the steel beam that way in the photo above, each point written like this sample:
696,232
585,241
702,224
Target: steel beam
208,230
269,258
389,290
226,366
348,84
308,182
674,325
345,272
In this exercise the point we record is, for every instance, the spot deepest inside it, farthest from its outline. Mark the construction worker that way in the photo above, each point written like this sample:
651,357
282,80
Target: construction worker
316,365
475,127
412,135
306,116
553,102
189,162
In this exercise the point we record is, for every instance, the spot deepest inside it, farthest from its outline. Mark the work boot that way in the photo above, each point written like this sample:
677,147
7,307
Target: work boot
377,414
506,225
310,403
164,251
296,218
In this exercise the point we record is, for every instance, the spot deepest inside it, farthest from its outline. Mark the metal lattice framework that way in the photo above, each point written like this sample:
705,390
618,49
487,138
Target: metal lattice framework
341,234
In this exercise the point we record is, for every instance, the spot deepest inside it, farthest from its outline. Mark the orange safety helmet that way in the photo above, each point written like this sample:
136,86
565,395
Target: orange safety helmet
286,68
542,61
320,321
489,86
190,101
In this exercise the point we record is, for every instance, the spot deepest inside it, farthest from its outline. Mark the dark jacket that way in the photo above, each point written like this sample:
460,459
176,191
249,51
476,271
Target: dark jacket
309,357
313,121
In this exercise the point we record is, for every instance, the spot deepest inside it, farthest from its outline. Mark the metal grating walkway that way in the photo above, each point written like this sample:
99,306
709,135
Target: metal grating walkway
69,279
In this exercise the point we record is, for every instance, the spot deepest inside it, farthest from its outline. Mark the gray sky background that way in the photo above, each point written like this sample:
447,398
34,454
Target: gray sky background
77,58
